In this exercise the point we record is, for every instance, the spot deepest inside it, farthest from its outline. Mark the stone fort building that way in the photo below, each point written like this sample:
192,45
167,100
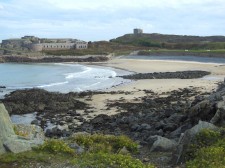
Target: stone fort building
138,31
37,44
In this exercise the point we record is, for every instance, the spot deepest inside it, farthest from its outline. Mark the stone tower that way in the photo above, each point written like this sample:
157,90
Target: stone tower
138,31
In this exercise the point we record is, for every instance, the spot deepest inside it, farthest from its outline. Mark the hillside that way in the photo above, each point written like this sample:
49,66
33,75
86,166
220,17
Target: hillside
171,38
172,41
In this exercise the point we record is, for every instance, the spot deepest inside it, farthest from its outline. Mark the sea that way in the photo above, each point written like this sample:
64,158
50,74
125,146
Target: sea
58,77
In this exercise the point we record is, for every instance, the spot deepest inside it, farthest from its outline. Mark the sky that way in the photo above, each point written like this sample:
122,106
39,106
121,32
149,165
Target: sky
95,20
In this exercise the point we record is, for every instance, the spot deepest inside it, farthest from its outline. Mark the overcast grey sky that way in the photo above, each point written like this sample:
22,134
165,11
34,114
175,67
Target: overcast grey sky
93,20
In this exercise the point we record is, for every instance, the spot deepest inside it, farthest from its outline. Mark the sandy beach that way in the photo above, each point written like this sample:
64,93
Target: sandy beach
206,84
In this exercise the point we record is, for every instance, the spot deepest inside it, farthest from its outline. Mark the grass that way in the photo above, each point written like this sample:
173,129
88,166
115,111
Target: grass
102,160
100,151
31,157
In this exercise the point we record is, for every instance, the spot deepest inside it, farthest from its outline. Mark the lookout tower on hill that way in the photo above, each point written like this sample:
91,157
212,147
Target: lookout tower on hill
138,31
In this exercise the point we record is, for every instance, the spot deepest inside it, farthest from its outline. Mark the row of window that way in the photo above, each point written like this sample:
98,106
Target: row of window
82,47
57,46
47,46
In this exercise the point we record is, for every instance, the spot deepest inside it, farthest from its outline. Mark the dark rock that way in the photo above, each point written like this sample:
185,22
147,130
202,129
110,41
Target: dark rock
145,126
55,59
169,127
100,119
168,75
176,133
159,125
176,118
135,127
35,122
204,110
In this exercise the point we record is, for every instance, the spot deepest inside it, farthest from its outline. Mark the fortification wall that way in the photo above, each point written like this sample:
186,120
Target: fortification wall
36,47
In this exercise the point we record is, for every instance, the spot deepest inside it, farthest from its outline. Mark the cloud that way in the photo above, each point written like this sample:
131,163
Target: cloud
106,19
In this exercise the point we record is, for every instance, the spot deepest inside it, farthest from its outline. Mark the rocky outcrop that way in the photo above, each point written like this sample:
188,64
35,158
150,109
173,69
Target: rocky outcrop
57,108
211,109
168,75
23,139
54,59
219,117
39,100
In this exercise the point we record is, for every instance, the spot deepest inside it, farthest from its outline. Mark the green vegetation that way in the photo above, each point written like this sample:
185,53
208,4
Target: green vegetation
56,146
107,143
204,139
102,160
137,41
207,150
100,151
172,41
209,157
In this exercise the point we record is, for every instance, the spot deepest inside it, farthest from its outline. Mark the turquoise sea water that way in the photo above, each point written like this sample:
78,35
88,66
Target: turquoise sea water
58,77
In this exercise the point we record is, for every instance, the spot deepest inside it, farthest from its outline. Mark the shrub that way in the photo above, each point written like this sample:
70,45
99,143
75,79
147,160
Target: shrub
220,143
210,157
203,139
56,146
108,143
102,160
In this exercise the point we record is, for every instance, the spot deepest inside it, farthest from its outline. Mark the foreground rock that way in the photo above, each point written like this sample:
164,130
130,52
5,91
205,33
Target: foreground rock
28,136
162,144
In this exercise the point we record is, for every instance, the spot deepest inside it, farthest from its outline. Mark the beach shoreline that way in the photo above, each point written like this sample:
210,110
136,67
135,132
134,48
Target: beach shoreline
206,84
134,90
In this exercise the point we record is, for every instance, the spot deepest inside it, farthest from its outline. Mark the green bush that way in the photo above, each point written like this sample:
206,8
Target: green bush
208,151
210,157
56,146
220,143
98,142
102,160
205,138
